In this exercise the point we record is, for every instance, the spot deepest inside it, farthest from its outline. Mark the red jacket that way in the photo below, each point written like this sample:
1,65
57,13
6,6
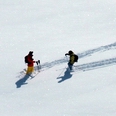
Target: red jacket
30,61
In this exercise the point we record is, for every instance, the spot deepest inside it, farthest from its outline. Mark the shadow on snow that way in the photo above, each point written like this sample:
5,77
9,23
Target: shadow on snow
66,76
22,81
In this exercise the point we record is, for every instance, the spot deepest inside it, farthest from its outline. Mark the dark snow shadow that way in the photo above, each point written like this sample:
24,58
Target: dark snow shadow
66,76
22,81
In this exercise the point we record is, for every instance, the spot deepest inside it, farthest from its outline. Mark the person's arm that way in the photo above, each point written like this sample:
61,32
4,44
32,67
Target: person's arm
66,54
30,60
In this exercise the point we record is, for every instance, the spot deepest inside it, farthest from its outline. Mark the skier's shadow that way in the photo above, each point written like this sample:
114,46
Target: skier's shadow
66,76
22,81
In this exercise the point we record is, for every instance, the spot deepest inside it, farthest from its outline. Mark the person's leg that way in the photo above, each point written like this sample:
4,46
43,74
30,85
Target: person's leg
29,70
70,66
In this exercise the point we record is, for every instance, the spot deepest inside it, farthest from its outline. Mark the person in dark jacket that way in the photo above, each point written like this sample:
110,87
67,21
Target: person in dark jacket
71,60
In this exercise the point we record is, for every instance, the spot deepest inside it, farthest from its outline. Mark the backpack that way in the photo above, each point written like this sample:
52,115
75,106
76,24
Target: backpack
76,58
26,59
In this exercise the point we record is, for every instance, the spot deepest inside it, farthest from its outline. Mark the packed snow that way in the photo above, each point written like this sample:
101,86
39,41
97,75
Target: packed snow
51,28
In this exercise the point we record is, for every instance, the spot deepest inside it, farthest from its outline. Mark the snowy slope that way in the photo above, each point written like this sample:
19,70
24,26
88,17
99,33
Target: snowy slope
50,29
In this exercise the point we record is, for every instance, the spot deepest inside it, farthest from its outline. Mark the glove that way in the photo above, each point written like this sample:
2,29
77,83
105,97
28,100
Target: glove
66,54
38,62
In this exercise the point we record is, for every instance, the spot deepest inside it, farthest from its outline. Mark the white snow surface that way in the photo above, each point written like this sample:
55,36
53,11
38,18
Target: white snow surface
51,28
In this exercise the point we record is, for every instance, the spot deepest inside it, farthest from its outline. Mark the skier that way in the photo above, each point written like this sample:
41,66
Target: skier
30,63
71,60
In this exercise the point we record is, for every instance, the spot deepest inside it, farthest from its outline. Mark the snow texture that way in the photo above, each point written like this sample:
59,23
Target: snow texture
51,28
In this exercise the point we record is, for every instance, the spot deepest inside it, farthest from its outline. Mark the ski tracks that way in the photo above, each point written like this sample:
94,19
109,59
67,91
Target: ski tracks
87,66
96,65
99,49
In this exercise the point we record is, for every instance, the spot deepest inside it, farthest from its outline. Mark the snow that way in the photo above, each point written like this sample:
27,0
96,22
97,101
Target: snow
52,28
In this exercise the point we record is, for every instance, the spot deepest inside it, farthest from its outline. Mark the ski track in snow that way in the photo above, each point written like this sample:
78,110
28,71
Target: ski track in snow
99,49
95,65
87,66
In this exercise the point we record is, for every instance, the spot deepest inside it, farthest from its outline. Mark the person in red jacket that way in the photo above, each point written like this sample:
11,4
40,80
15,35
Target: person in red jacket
30,63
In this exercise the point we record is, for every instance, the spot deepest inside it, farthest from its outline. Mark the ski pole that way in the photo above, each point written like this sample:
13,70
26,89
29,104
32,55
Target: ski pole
66,58
61,73
68,63
38,66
